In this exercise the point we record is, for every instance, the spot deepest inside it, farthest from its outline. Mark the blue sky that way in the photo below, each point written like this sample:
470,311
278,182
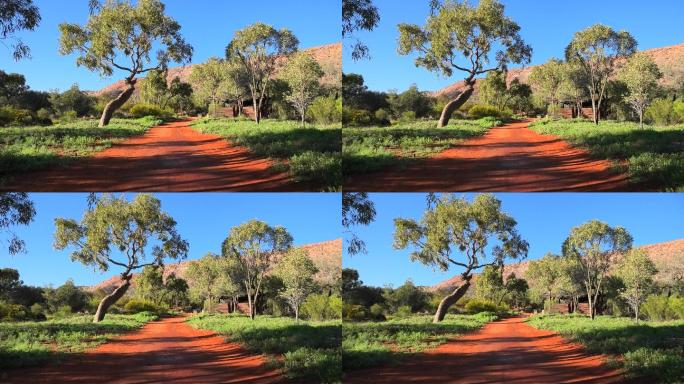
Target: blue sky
546,25
544,220
208,25
204,220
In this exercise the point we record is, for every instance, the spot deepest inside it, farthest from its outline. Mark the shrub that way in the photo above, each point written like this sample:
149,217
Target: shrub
12,312
656,308
377,311
407,117
403,312
479,111
478,305
15,116
143,110
320,307
676,305
316,166
382,117
661,112
68,117
137,306
665,364
325,110
352,312
356,117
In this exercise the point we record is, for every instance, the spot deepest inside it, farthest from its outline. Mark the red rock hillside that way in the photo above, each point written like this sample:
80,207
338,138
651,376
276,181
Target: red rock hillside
328,56
326,255
664,255
670,60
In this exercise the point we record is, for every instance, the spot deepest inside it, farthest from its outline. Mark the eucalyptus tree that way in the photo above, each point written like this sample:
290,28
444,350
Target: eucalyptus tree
115,232
255,249
258,48
641,75
121,36
297,271
358,15
457,233
598,51
636,270
303,75
16,208
463,37
550,81
16,16
595,245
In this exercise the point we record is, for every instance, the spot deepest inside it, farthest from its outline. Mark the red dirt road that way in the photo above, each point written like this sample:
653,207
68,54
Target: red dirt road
507,158
171,157
166,351
507,351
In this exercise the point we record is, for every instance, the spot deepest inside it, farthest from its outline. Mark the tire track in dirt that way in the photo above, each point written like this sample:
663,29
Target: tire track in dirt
168,158
166,351
507,351
511,158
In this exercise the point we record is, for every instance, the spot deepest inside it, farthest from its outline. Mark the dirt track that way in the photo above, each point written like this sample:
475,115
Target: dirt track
166,351
171,157
508,158
507,351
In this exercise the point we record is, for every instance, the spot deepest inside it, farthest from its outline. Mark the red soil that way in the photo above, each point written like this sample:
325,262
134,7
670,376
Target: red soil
508,158
163,351
169,157
507,351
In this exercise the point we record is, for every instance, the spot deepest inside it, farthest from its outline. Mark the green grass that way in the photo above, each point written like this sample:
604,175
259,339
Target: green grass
371,149
368,344
311,154
654,156
31,148
304,350
653,350
31,343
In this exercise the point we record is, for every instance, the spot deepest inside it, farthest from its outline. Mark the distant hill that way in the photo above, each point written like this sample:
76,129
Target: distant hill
328,56
327,256
670,60
663,255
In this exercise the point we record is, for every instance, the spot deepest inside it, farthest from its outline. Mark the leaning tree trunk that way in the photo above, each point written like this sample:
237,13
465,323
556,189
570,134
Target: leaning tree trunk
450,300
115,104
455,104
112,298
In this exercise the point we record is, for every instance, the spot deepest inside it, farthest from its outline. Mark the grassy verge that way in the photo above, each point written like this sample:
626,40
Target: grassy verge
653,350
304,351
371,149
30,148
311,154
654,155
369,344
31,343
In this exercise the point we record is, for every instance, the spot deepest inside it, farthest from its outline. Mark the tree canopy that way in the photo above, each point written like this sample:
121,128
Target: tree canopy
120,35
641,75
302,74
16,208
636,270
358,15
15,16
467,38
297,272
357,209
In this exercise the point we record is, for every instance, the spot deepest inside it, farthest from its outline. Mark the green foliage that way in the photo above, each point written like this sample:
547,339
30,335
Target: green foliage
647,349
26,344
654,157
216,81
661,308
640,75
143,110
15,117
371,149
369,344
12,312
410,104
326,110
406,296
283,141
17,16
296,270
73,100
358,15
308,351
636,271
31,148
551,81
475,306
16,208
302,74
322,307
211,277
479,111
666,112
136,306
67,295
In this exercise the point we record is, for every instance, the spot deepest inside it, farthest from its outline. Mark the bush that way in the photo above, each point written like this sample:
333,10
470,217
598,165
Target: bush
15,116
479,111
143,110
382,117
12,312
403,312
665,364
136,306
326,110
377,311
676,305
68,117
351,312
478,305
316,166
661,112
320,307
356,118
656,308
